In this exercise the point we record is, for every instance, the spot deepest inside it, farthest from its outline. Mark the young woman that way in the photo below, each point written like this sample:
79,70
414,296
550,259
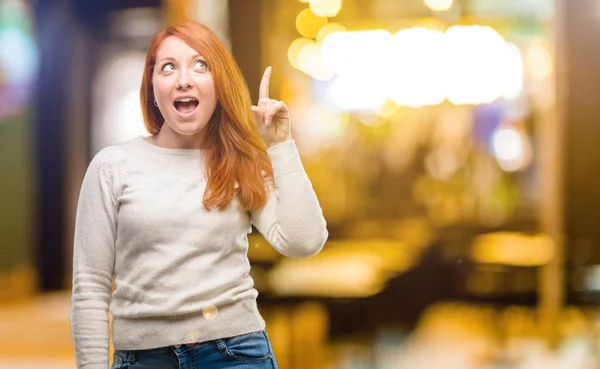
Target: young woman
166,217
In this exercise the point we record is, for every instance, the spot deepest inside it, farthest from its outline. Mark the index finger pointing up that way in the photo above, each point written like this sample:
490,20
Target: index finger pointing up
263,93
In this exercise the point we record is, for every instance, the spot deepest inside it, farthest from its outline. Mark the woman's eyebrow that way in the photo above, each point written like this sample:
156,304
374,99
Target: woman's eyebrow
167,58
171,58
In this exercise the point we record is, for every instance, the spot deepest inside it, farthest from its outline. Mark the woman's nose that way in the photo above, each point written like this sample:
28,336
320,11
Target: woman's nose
184,80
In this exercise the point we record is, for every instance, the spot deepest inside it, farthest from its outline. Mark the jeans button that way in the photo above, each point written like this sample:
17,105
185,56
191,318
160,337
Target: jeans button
177,346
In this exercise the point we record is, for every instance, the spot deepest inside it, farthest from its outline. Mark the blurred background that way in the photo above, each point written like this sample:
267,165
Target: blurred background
452,145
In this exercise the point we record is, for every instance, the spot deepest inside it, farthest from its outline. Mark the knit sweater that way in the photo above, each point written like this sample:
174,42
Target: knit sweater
180,271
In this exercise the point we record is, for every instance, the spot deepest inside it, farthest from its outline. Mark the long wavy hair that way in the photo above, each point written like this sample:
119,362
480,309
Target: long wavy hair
235,151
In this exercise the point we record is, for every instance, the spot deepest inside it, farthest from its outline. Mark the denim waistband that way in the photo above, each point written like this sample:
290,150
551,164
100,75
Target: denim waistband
159,350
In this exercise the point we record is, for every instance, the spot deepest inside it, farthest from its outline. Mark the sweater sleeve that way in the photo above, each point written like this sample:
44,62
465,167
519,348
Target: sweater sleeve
292,220
93,265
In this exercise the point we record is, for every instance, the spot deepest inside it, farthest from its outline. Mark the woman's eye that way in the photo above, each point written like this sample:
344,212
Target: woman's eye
200,65
168,67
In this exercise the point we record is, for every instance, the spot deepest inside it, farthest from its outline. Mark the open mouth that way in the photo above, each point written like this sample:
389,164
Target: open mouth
186,105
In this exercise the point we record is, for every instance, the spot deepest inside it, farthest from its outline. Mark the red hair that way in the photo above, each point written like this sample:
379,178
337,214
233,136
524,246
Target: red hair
235,151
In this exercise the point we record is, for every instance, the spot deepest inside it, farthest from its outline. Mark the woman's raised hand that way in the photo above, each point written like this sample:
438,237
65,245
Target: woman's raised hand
272,116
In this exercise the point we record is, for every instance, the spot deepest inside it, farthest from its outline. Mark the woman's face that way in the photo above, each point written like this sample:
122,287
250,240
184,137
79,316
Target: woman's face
183,87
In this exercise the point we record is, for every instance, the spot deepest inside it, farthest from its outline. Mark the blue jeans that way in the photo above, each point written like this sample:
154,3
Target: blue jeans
252,350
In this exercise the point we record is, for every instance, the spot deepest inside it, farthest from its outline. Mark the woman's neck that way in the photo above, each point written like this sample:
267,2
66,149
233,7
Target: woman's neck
170,139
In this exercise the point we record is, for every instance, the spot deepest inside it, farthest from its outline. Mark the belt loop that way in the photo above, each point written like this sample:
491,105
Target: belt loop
221,346
131,358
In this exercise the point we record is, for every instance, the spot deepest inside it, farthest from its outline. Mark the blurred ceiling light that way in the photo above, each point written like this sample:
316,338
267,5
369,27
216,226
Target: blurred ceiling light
415,68
511,248
326,8
474,59
360,92
513,72
308,24
360,82
340,50
439,5
328,29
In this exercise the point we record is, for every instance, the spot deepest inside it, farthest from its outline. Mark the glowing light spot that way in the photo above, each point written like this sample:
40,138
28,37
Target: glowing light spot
328,29
439,5
210,312
309,24
294,51
326,8
19,58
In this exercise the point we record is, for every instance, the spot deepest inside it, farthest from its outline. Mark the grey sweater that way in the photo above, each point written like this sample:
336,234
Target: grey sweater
180,272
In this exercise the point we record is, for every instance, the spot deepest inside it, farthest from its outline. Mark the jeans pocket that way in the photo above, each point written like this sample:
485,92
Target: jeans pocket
252,347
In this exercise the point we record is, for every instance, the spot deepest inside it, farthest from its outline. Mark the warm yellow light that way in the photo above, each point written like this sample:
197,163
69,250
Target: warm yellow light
513,72
308,24
309,57
360,82
510,248
539,61
335,276
415,67
439,5
360,92
341,51
474,62
328,29
305,55
311,62
294,51
326,8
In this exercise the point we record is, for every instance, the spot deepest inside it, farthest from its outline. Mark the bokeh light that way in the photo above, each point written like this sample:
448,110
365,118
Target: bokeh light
439,5
308,24
294,49
466,65
19,57
415,70
326,8
328,29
